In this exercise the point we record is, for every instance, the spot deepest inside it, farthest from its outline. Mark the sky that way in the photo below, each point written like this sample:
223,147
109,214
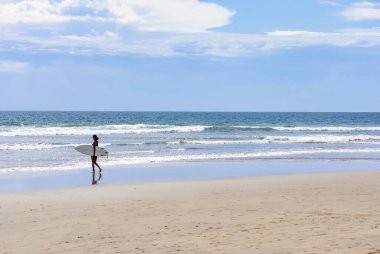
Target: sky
190,55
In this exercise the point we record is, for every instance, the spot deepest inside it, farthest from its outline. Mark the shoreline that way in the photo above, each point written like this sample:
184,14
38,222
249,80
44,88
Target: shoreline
297,213
30,181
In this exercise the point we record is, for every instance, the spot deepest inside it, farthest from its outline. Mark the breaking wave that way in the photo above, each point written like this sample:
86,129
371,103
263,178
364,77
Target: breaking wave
100,130
272,154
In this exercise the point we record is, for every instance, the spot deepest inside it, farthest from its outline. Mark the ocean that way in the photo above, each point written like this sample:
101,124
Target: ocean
45,141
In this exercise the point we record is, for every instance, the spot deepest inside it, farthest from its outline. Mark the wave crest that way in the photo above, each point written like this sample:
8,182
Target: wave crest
100,130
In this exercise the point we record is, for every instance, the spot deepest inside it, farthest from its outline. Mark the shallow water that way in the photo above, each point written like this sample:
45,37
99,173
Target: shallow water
22,181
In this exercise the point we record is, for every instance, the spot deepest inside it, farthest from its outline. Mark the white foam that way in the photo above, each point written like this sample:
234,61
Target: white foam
228,156
315,129
113,161
33,146
100,130
37,146
148,151
330,139
11,131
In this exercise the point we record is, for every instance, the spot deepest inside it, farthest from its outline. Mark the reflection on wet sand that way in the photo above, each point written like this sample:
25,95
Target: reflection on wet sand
95,181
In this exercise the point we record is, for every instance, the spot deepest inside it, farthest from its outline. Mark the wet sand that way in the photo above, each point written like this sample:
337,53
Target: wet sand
305,213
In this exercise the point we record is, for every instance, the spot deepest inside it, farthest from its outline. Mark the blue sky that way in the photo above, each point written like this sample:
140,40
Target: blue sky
190,55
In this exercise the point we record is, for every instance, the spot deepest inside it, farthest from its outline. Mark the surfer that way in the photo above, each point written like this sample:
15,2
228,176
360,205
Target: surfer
93,157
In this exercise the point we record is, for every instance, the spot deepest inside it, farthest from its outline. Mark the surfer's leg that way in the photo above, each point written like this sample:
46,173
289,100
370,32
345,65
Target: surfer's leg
98,166
93,162
96,163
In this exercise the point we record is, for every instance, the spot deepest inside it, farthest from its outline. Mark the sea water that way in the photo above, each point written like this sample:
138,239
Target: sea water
45,141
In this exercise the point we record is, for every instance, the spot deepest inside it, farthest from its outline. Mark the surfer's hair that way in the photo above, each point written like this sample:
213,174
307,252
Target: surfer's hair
95,137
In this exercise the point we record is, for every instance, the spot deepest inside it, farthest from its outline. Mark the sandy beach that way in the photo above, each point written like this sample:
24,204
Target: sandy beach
309,213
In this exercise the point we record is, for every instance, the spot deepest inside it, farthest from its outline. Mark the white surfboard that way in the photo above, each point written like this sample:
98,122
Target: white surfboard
89,150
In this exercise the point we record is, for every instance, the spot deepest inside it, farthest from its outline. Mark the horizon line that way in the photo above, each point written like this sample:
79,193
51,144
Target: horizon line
187,111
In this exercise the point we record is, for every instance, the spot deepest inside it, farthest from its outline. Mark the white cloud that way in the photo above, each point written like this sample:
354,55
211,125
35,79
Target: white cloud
293,33
362,11
366,4
199,44
176,28
12,66
143,15
246,45
330,2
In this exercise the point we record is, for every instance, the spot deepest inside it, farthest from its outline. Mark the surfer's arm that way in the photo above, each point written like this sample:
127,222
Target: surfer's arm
93,147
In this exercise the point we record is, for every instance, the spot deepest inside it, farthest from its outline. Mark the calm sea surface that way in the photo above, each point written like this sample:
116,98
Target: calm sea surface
45,141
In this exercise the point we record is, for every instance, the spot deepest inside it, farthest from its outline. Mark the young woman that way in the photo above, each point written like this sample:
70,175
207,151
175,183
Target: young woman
94,157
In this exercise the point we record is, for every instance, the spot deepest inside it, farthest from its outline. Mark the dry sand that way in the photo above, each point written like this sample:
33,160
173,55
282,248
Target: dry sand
315,213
